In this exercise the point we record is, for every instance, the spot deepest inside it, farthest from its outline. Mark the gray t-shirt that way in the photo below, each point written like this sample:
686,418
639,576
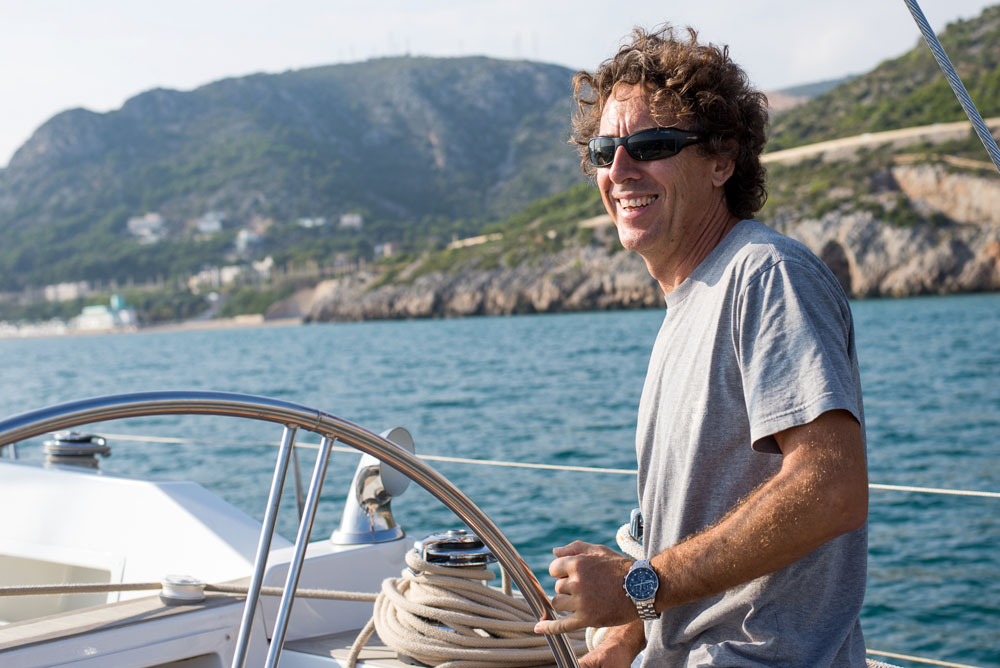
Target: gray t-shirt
759,338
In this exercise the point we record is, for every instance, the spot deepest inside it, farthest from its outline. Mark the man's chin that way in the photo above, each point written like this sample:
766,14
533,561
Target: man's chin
634,241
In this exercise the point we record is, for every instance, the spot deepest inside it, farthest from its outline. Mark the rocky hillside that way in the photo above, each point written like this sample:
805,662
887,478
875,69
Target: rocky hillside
580,279
395,137
406,142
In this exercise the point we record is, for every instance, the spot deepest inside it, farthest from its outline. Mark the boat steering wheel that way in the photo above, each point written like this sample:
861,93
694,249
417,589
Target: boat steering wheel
330,428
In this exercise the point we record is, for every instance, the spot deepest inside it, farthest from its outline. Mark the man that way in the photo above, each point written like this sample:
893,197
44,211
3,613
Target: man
750,439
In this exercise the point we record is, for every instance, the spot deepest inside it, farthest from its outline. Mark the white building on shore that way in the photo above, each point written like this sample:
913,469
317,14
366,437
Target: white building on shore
99,317
62,292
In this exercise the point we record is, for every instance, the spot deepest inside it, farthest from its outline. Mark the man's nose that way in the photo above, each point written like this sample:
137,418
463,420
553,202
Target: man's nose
624,167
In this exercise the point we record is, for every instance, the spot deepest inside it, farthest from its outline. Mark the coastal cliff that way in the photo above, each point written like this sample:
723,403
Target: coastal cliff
959,253
581,279
955,249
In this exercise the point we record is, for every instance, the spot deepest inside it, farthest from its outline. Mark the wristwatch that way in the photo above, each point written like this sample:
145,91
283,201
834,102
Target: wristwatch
641,583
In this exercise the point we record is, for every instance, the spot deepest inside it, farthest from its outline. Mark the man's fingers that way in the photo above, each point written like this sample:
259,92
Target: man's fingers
563,603
560,566
576,547
561,625
588,586
565,586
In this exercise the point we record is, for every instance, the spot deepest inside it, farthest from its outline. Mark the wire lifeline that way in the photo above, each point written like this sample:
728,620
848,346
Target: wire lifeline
545,467
872,663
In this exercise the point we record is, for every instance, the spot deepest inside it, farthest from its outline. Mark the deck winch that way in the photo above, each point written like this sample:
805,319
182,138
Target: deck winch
454,548
73,448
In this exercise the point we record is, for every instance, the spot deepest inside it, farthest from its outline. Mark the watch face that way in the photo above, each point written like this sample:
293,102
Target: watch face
641,583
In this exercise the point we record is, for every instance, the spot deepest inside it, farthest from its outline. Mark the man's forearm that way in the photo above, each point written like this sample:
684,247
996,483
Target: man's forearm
819,493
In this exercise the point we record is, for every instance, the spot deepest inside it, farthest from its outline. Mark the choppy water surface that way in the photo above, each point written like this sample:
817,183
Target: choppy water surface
564,389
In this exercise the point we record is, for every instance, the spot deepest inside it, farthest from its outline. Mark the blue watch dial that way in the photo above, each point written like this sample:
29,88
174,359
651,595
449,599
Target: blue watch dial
641,583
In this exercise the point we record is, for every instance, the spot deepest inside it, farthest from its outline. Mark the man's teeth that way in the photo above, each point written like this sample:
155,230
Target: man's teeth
636,202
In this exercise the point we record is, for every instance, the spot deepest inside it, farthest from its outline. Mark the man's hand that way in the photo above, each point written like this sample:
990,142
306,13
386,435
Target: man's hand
614,656
589,586
618,649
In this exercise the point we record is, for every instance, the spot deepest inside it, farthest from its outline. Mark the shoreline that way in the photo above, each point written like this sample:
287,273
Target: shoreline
237,322
258,320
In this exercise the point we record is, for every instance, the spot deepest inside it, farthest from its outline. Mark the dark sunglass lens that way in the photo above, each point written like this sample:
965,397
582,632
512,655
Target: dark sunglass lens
652,147
602,151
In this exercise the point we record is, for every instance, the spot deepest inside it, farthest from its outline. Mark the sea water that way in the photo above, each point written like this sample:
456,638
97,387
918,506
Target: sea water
564,389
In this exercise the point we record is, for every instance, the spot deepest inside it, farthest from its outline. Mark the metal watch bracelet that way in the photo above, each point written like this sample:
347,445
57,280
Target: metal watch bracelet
646,610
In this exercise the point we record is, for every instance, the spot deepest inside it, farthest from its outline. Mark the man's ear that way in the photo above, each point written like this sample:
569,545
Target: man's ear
723,165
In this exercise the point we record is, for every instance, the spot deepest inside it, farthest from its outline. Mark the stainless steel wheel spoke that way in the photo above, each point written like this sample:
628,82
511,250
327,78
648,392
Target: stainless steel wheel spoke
264,545
301,543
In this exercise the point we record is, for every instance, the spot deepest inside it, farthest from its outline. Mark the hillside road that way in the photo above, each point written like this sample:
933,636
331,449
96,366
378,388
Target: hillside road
837,149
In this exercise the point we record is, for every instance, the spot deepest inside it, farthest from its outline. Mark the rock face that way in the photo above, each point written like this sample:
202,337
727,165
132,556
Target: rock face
962,197
872,258
583,279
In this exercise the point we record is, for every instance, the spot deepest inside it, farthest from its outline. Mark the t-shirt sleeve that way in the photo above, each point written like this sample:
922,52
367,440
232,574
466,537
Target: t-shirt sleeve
794,338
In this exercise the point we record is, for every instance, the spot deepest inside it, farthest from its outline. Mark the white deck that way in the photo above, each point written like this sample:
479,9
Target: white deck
74,533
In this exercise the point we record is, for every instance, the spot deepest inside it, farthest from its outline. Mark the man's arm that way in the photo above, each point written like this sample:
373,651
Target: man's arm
820,492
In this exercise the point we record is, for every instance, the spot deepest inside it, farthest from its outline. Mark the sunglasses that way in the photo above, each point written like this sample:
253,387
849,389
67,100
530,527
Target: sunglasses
652,144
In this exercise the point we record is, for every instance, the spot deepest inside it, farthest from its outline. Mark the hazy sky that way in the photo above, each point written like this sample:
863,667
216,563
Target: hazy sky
60,54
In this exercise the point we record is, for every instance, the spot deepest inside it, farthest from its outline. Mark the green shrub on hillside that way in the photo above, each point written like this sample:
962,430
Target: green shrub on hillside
906,91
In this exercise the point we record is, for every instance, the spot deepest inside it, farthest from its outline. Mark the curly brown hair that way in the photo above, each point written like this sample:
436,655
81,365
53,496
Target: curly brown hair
699,86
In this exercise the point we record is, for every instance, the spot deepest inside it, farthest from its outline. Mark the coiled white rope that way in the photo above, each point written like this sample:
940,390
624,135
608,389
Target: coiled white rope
449,617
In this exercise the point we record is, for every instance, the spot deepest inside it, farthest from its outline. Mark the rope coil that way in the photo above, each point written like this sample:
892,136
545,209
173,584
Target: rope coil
450,617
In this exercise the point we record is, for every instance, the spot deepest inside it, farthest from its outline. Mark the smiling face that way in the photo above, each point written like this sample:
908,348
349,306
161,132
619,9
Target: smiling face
662,208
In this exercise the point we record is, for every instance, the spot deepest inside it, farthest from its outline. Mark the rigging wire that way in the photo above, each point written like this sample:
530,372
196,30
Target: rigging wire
956,83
